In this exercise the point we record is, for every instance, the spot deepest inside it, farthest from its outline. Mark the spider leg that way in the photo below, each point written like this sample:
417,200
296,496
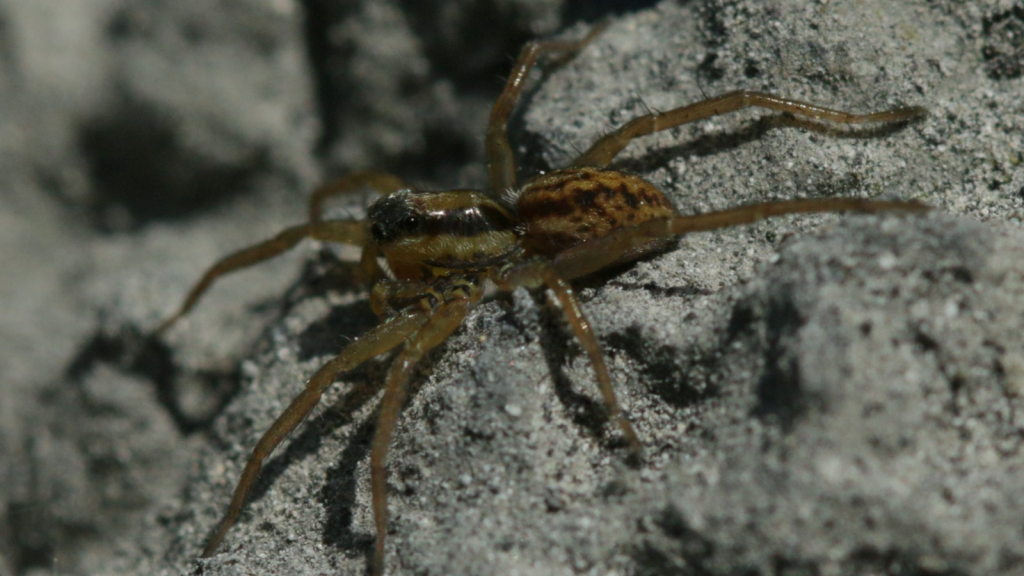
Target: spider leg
388,298
439,326
346,232
501,166
625,243
602,152
382,182
628,243
535,274
375,342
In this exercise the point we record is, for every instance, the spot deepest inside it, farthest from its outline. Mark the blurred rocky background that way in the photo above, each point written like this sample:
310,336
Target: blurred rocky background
817,395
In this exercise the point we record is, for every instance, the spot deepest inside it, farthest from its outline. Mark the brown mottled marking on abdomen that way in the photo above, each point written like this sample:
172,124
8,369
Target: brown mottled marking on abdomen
568,207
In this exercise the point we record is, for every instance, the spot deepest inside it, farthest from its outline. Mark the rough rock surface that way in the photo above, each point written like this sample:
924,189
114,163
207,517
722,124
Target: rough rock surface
817,395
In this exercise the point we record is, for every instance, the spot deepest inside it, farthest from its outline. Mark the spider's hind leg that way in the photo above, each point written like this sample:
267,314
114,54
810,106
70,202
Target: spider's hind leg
628,243
602,152
501,166
541,273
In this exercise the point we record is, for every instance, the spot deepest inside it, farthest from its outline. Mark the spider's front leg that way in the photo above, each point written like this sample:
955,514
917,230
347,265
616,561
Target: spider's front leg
381,182
381,339
441,323
342,231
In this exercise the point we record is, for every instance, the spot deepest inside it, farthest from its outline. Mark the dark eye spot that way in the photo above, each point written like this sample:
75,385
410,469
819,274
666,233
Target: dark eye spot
410,224
377,230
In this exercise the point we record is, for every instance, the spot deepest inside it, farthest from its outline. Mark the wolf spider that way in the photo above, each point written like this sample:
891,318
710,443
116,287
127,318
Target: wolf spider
441,246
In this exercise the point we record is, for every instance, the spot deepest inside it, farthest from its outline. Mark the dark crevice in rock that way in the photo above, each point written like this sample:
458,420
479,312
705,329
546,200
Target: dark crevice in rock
1003,49
781,399
672,374
141,172
132,352
320,17
595,10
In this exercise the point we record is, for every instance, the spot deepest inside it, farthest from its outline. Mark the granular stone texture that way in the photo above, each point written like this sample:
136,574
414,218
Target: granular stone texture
816,395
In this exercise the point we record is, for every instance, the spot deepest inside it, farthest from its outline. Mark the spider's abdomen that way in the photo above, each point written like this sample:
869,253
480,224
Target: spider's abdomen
430,234
568,207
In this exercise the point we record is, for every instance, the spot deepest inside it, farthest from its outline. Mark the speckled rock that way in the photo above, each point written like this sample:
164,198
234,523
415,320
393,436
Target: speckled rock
816,395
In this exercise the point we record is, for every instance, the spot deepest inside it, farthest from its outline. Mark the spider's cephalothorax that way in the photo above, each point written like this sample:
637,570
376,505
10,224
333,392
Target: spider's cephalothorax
432,234
441,247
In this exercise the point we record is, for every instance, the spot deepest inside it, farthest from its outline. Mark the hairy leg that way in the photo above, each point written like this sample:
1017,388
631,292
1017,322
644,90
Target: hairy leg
626,242
345,232
542,273
382,182
390,296
590,257
378,341
602,152
501,166
440,325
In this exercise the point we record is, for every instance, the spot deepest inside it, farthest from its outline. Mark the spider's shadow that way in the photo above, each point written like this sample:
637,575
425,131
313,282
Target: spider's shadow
321,275
364,383
712,144
338,492
587,414
326,337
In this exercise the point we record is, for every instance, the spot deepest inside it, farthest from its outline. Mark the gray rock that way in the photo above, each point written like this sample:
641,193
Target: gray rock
816,395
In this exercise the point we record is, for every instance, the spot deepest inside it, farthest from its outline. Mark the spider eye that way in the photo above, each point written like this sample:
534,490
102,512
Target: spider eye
410,224
397,216
377,230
